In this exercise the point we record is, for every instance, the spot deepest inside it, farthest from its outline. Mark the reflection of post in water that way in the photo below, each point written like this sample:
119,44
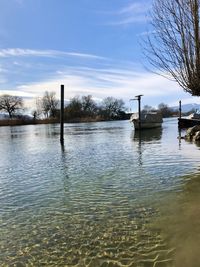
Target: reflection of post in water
139,148
136,137
179,138
148,135
64,169
145,137
62,146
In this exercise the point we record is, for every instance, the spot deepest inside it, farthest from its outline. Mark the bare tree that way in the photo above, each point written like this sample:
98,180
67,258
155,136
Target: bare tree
173,46
165,110
48,103
38,111
88,105
74,108
112,107
10,104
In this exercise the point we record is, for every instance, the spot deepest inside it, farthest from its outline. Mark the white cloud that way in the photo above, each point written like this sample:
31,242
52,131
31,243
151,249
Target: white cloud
18,52
133,13
137,7
146,33
101,83
17,92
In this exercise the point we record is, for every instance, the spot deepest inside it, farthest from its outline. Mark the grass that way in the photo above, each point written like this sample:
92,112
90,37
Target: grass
15,122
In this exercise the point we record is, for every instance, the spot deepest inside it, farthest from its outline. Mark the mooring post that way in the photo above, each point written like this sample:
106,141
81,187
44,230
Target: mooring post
138,97
139,111
62,113
180,110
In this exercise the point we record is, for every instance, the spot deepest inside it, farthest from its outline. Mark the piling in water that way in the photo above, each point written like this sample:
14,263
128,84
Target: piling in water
62,113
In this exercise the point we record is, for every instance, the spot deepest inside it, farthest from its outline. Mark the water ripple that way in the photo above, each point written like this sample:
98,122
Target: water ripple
92,202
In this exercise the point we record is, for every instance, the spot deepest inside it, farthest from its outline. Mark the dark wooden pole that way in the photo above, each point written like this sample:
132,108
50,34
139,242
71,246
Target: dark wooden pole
180,110
139,110
62,113
138,97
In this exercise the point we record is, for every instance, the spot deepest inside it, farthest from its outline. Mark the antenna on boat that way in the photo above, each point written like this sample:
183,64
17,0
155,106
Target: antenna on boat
138,98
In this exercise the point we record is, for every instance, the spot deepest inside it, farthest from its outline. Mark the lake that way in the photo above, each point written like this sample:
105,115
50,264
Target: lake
105,198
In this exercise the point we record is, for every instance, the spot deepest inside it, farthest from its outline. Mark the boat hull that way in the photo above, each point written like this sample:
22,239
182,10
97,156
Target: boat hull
148,120
186,123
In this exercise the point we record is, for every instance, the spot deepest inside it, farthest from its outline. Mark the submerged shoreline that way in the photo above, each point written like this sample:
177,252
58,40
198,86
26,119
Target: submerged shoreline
20,122
179,222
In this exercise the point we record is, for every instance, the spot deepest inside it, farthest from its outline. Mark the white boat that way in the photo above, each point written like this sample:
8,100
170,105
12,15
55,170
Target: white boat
194,116
148,120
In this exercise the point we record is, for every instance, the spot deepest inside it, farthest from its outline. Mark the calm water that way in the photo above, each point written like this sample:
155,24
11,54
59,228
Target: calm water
94,201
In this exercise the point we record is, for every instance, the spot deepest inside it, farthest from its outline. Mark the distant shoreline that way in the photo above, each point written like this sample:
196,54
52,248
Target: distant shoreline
21,122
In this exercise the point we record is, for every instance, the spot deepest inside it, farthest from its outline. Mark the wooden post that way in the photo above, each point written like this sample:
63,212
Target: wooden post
62,113
139,110
180,110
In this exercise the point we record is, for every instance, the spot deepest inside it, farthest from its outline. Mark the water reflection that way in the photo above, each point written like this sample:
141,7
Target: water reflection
62,145
145,136
90,201
50,130
148,135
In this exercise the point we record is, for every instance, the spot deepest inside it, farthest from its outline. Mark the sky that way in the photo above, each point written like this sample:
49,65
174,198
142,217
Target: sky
90,46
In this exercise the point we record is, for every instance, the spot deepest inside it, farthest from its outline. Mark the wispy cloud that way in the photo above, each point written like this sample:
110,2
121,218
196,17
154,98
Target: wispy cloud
133,13
16,92
136,8
31,78
18,52
100,83
146,33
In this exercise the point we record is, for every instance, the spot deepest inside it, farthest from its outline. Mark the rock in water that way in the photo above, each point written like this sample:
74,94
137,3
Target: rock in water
193,133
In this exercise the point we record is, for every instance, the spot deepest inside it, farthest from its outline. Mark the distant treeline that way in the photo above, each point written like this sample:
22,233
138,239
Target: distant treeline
166,111
86,109
81,108
78,109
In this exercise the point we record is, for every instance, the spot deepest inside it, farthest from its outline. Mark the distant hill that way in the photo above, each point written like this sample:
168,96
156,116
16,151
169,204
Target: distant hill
187,107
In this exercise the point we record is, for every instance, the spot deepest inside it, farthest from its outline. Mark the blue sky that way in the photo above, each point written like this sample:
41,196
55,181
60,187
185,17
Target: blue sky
90,46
